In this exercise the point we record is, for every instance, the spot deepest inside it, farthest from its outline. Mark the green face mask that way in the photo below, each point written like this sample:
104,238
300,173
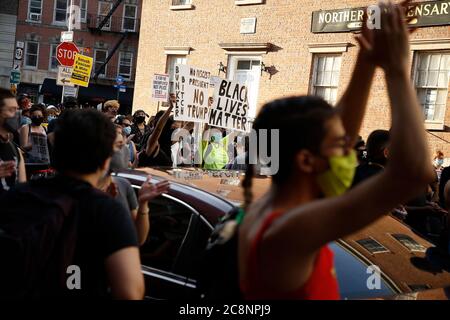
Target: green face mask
339,177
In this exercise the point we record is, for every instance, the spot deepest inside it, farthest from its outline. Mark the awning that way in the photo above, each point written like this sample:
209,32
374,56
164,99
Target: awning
95,92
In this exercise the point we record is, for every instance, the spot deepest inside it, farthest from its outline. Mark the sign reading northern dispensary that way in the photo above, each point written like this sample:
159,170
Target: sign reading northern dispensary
429,13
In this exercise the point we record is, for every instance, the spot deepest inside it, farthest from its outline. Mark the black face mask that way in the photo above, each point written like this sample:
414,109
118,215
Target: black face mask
140,119
37,121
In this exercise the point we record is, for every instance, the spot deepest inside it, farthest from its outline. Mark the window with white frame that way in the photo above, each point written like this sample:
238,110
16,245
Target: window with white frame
34,10
125,64
432,73
83,10
172,60
31,54
53,64
129,17
100,57
326,76
103,9
60,14
181,2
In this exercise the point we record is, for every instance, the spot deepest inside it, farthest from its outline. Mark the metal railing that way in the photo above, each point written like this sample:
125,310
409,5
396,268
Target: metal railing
114,24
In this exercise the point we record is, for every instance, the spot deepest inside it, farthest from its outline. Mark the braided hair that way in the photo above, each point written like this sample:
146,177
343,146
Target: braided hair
300,121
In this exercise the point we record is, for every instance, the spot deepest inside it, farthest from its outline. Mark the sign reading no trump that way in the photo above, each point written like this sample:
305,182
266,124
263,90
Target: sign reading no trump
191,88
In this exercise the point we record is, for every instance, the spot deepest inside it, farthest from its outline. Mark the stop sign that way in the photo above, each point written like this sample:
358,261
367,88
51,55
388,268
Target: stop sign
65,53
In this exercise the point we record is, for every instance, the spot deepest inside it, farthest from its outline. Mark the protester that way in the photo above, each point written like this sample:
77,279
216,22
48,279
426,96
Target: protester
377,155
139,129
33,138
125,122
24,106
69,104
154,154
307,206
242,149
52,113
215,150
111,109
361,151
121,189
105,243
12,166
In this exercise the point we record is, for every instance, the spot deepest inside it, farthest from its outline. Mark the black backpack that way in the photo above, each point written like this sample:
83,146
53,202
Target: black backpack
38,234
219,276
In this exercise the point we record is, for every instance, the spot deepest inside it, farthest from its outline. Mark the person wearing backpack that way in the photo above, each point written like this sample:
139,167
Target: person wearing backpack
12,166
282,250
63,237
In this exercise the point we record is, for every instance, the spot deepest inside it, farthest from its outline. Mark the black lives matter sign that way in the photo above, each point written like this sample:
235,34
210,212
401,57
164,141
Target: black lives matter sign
230,108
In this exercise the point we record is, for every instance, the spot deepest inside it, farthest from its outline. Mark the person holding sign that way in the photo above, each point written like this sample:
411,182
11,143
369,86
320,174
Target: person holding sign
283,252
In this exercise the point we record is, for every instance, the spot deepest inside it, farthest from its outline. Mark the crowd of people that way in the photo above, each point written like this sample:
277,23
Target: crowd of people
329,183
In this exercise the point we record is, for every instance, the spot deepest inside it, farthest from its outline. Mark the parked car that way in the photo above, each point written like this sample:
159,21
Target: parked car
183,219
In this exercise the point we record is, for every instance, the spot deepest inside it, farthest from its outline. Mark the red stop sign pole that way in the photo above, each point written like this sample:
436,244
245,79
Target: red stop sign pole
65,53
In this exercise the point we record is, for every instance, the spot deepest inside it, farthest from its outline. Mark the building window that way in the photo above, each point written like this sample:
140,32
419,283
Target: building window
181,2
60,15
326,77
100,57
31,54
34,10
53,65
247,2
129,18
83,10
172,60
432,72
125,64
247,70
103,9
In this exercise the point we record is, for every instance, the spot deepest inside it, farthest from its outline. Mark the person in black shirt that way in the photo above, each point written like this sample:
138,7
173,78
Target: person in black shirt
12,166
107,247
139,129
377,155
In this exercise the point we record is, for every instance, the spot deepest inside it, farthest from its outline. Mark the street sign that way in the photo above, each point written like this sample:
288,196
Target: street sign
64,75
120,86
119,80
82,68
66,52
19,54
67,36
123,89
17,64
70,91
14,77
20,44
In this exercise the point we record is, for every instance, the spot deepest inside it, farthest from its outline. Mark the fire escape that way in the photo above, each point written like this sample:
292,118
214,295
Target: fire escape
123,26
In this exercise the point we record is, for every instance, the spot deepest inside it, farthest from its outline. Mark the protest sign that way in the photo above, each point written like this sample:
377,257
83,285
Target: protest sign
191,88
160,89
230,108
82,68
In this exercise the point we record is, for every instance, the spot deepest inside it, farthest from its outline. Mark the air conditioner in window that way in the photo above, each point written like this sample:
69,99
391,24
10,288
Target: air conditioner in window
35,16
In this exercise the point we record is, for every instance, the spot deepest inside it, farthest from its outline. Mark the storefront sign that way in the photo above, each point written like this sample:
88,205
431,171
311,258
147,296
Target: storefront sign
429,13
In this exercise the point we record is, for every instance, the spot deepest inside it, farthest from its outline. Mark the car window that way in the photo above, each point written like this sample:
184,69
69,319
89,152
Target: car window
169,222
190,257
353,277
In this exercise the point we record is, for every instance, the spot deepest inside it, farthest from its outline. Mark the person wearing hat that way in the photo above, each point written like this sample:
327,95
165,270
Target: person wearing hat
111,109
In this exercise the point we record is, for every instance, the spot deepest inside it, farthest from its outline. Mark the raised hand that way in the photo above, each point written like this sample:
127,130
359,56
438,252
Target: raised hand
150,190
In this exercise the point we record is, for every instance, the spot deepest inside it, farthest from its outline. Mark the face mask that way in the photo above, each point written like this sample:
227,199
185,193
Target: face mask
37,121
216,137
440,162
339,177
50,118
127,131
140,119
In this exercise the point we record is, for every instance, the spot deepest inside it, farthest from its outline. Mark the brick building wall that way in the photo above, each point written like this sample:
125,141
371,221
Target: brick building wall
284,23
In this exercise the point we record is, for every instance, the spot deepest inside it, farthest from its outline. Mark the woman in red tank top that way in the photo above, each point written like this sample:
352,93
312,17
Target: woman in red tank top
283,239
